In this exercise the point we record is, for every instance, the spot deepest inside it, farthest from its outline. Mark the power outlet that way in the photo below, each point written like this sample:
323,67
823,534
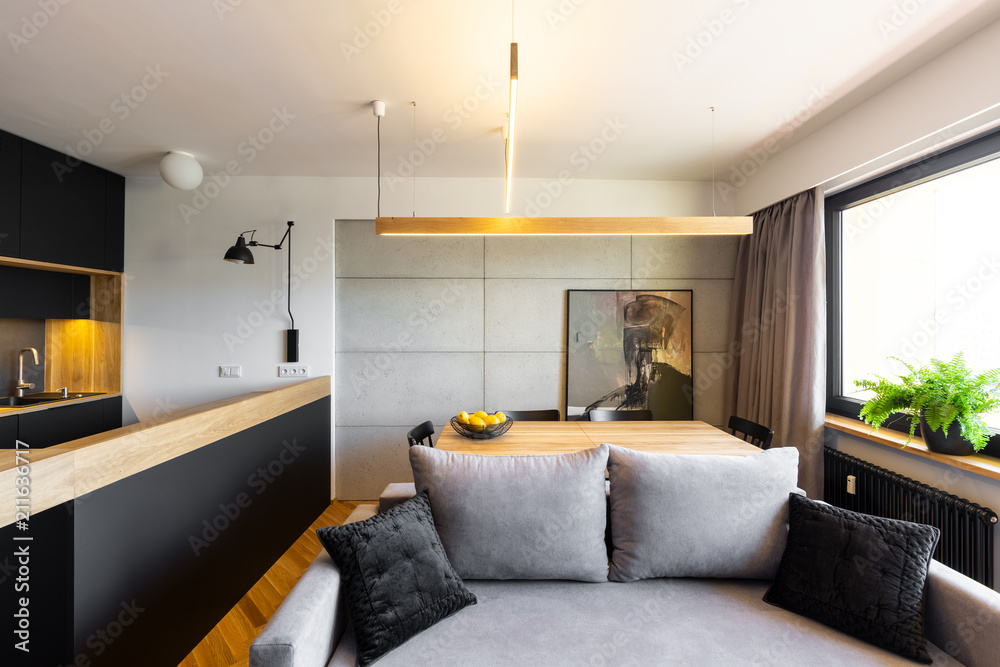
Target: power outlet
852,487
293,371
230,371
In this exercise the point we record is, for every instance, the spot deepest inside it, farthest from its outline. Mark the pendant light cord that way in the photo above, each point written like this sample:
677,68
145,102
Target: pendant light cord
378,166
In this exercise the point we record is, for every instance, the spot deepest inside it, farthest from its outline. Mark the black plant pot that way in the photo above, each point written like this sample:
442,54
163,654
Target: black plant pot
951,443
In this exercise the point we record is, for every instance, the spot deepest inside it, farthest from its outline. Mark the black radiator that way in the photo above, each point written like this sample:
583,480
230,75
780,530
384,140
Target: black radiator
966,528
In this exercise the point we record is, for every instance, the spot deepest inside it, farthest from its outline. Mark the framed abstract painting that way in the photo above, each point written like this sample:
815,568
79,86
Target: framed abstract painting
629,350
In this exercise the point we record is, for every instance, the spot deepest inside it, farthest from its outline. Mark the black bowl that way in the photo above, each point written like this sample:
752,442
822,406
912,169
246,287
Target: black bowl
467,432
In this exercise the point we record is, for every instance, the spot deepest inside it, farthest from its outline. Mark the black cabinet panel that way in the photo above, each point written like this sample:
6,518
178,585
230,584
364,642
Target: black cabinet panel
114,259
63,208
10,195
38,295
61,424
112,413
8,431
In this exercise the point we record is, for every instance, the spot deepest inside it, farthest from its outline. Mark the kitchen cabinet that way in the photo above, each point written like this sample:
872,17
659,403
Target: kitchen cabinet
10,194
63,208
57,209
8,431
62,423
39,295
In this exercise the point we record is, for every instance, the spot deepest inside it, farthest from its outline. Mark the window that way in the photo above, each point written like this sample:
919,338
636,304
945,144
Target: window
913,271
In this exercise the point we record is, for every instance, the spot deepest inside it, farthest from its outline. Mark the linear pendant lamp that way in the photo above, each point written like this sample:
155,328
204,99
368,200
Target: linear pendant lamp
693,226
511,113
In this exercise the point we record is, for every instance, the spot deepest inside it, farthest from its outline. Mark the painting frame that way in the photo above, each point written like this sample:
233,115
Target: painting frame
629,349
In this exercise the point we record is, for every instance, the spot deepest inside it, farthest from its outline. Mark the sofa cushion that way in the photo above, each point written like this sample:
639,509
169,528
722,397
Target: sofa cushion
397,578
861,574
518,517
694,622
687,515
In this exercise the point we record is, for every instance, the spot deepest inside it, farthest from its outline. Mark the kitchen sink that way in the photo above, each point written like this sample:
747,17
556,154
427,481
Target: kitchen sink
41,397
57,395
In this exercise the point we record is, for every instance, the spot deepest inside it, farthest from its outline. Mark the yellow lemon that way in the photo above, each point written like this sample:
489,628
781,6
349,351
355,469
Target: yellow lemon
491,422
476,424
463,417
501,417
480,413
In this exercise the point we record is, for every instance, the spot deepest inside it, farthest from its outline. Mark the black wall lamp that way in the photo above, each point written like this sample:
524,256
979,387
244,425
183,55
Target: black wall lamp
240,254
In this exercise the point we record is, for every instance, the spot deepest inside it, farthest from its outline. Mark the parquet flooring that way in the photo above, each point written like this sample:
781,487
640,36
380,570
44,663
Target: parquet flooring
228,644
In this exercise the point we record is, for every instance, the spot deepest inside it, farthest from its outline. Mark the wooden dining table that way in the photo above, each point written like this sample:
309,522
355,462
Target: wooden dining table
673,437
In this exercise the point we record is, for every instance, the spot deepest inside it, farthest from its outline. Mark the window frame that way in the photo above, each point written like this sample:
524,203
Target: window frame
968,154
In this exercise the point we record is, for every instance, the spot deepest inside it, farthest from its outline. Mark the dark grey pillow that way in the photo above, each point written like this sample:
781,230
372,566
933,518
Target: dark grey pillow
397,578
860,574
518,517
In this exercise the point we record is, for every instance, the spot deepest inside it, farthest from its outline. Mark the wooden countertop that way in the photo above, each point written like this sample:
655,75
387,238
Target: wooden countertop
70,470
6,411
673,437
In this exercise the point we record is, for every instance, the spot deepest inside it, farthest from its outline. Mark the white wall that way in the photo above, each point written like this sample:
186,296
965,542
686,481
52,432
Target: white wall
185,307
939,102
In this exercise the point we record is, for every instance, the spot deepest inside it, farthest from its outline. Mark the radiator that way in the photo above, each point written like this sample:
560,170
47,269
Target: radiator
966,528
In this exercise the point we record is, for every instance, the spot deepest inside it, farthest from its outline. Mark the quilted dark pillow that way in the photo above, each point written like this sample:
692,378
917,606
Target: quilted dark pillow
859,574
397,578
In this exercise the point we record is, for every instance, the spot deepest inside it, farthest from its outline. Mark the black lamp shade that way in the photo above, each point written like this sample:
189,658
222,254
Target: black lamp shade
239,253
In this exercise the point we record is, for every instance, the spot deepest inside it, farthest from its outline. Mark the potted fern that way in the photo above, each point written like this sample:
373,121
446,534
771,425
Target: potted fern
944,398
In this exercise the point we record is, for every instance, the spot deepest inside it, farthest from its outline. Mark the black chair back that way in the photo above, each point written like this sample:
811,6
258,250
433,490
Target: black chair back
418,434
533,415
755,434
620,415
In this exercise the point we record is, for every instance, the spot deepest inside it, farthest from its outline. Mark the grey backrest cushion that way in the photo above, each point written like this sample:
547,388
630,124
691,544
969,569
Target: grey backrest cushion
518,517
691,515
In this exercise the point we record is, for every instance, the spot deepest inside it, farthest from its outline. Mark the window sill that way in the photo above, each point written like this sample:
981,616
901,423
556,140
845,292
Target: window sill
987,466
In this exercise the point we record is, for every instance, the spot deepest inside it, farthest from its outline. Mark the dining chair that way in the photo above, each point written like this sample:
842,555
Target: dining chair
418,434
533,415
620,415
752,432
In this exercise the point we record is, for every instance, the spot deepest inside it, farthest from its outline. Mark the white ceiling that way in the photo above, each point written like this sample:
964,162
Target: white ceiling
228,64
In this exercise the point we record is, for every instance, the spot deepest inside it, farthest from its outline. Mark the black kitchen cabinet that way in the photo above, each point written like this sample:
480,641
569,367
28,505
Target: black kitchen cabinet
8,431
112,413
39,295
57,425
10,195
63,208
114,221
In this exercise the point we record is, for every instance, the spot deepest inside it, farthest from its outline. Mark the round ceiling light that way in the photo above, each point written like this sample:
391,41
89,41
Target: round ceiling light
181,171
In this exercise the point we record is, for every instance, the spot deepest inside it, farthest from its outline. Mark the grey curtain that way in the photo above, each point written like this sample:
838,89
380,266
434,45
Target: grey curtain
777,330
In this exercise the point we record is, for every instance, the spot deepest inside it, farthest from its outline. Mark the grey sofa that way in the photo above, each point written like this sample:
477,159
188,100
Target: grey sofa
678,620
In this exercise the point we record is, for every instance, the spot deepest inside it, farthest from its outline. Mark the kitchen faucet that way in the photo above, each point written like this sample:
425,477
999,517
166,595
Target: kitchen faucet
21,384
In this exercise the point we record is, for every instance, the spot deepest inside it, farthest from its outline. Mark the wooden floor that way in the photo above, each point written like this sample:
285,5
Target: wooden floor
228,644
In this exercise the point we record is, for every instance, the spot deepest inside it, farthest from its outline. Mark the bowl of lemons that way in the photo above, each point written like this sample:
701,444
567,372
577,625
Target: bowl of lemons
481,425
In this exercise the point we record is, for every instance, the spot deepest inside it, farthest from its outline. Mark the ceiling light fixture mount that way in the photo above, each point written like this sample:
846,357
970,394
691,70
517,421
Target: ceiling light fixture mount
239,253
